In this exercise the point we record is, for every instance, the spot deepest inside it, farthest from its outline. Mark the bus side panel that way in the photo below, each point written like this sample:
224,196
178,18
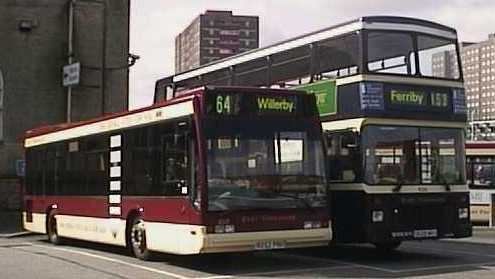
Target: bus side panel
178,210
36,222
103,230
34,216
175,238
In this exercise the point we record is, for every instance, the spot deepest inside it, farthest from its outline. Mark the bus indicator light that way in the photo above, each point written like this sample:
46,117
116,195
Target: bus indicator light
377,216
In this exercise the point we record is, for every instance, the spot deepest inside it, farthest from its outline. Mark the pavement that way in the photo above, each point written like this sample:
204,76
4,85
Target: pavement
15,234
10,222
32,255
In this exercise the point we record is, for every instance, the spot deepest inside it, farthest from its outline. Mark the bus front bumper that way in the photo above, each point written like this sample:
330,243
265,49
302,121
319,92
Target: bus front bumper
377,234
252,241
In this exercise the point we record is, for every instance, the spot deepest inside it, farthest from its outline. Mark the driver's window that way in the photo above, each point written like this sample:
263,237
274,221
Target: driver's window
343,156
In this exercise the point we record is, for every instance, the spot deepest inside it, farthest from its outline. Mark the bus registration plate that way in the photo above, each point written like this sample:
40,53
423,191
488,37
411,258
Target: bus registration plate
269,245
425,233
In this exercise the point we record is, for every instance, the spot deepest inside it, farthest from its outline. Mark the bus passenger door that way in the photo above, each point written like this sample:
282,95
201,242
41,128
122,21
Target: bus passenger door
174,164
344,167
175,178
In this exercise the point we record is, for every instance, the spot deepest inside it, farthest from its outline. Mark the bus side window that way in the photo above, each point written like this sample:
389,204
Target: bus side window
141,160
175,163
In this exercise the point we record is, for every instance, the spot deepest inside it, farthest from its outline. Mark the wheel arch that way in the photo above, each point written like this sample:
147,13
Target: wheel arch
128,224
51,209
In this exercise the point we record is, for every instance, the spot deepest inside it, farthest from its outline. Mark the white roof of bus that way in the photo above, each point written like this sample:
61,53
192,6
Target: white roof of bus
440,31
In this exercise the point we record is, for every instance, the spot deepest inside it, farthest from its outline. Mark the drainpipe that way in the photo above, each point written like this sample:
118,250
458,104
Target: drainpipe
70,54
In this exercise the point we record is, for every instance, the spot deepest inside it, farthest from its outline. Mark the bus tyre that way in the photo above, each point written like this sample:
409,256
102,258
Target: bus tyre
51,230
137,239
387,246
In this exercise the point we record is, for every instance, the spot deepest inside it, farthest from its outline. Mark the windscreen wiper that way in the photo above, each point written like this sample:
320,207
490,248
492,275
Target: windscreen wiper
446,183
400,182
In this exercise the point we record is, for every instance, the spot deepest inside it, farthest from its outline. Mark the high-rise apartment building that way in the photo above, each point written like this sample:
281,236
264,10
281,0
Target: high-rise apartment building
214,35
444,64
478,66
479,78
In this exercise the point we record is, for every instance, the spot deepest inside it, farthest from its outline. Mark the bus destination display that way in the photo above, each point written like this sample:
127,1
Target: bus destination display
393,97
419,98
229,104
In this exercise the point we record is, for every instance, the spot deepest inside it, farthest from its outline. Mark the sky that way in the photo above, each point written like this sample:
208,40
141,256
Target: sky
155,23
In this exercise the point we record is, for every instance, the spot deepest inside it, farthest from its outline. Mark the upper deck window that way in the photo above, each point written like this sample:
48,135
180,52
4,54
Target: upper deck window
391,53
437,57
339,56
408,53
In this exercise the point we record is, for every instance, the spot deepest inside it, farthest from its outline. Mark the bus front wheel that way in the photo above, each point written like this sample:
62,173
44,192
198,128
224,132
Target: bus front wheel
387,246
52,231
137,239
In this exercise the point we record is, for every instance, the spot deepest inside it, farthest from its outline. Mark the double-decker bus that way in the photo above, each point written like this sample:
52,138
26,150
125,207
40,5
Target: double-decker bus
391,100
480,169
215,169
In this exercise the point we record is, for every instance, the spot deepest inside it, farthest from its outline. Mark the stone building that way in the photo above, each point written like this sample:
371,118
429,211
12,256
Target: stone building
34,44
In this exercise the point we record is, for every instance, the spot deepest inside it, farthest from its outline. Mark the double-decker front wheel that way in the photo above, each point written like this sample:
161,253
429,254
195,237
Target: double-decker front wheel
387,246
137,239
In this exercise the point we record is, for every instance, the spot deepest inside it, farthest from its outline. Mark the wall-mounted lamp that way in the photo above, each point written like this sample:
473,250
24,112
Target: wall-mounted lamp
26,25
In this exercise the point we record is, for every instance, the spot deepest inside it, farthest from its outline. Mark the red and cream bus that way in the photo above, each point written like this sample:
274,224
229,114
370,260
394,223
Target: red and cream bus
480,169
480,165
215,169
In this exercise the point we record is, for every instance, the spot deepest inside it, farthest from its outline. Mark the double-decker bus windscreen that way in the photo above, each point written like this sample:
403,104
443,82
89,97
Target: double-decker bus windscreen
264,164
398,155
395,52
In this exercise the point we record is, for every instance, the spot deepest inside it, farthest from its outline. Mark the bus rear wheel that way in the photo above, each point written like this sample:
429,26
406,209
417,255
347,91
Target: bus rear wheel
137,239
387,246
52,231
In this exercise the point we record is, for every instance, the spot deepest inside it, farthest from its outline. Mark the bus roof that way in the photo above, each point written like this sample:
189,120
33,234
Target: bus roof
369,22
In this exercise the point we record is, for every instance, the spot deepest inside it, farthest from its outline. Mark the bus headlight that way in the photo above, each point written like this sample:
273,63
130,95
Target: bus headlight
377,216
229,228
219,228
463,213
224,228
312,225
